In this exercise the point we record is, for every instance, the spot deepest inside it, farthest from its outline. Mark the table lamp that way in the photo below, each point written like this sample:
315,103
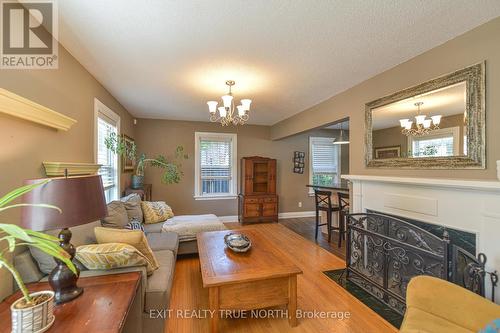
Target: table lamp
82,201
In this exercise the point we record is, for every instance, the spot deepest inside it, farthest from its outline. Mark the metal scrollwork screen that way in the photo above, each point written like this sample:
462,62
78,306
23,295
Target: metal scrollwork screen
384,253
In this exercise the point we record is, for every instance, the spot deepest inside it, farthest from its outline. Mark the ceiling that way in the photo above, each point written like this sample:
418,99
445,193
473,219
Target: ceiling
447,101
166,58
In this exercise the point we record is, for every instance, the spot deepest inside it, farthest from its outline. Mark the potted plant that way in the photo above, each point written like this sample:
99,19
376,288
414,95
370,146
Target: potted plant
34,311
172,167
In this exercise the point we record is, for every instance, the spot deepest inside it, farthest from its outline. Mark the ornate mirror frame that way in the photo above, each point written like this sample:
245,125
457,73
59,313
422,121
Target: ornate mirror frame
474,76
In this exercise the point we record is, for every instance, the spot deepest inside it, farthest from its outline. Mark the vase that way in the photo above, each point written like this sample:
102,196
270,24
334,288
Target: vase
37,318
137,182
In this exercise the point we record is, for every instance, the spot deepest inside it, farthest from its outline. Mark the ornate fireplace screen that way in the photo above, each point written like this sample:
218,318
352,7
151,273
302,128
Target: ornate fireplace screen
384,253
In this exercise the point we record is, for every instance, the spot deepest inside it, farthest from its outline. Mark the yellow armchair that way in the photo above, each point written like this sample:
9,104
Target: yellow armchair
437,306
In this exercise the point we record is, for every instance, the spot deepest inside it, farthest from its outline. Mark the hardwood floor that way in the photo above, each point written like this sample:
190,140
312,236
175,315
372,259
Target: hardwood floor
315,292
305,226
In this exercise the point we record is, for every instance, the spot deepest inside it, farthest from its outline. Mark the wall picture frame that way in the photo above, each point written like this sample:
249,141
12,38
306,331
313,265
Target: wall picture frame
128,165
298,161
387,152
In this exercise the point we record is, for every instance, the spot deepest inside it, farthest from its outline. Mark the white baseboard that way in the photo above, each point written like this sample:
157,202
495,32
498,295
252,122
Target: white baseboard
287,215
291,215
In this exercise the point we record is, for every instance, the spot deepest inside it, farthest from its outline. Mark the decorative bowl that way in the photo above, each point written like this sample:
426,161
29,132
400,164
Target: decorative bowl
237,242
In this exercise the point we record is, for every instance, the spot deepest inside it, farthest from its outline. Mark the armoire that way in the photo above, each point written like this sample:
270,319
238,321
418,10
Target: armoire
258,201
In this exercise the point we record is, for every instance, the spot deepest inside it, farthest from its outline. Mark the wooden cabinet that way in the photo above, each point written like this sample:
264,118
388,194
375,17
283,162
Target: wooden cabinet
258,201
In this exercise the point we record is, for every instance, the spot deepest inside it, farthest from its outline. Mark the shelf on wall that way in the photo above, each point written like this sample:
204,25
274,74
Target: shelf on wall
56,169
20,107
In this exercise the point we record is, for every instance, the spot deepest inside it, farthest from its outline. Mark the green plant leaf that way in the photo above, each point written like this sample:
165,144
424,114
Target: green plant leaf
56,252
19,192
11,240
30,205
41,235
16,231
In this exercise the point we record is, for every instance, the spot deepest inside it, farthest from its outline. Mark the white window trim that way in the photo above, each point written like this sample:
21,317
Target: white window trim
234,166
339,149
454,131
100,107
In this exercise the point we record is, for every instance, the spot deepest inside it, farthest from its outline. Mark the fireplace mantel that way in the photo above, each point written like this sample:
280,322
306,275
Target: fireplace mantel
468,205
481,185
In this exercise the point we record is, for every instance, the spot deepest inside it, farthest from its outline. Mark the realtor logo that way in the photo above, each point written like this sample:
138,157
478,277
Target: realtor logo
29,34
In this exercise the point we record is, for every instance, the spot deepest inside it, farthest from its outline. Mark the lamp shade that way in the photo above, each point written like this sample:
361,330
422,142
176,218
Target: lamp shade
81,200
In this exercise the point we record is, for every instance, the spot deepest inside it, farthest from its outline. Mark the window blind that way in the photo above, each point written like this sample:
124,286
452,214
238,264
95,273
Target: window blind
215,165
324,156
105,157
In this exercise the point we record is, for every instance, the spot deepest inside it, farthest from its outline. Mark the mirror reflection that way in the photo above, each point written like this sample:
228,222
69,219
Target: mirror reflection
433,124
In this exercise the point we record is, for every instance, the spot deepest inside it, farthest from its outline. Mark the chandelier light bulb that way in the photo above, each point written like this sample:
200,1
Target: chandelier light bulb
246,104
427,123
227,99
420,119
212,106
222,111
241,110
403,122
408,125
436,120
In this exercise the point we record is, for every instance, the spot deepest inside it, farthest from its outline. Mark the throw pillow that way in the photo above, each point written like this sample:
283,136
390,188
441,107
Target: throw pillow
111,255
117,215
132,204
493,327
136,238
134,224
156,211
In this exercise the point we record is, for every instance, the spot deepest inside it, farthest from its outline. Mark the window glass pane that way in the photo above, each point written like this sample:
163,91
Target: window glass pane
108,160
324,161
423,147
215,166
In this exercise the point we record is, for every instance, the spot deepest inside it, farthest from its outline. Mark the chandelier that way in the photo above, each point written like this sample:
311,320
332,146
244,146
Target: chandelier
228,114
423,125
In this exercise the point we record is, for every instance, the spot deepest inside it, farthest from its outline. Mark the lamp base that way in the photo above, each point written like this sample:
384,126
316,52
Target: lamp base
62,279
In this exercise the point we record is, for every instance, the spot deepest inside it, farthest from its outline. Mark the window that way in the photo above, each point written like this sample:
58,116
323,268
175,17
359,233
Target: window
442,142
106,122
324,161
215,170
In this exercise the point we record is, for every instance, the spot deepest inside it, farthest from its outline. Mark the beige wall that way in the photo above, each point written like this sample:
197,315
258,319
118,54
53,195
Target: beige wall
69,90
475,46
162,136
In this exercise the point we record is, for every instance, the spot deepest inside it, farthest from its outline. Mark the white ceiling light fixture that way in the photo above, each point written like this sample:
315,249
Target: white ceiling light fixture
342,139
227,113
423,125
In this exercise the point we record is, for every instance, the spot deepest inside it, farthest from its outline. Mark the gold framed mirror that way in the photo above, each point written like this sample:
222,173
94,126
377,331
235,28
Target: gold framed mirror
439,124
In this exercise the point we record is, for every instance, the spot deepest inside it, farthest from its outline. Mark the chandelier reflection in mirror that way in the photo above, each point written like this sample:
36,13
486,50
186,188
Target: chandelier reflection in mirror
227,113
423,125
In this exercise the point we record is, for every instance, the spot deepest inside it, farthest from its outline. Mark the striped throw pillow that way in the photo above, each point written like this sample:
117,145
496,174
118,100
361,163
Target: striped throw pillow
111,255
134,224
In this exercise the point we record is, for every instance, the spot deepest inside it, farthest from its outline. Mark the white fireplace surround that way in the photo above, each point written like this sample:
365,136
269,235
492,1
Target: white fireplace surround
467,205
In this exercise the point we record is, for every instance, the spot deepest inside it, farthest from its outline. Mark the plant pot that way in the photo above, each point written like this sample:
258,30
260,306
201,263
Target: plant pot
37,318
137,182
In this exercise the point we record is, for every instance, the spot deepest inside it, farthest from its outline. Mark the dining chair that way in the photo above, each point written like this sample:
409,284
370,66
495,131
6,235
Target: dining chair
343,203
323,202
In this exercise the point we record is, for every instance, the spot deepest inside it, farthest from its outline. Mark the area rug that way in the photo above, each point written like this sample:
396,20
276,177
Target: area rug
383,310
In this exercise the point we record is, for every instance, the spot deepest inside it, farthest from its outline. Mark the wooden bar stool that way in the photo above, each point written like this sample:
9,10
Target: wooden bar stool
323,201
343,203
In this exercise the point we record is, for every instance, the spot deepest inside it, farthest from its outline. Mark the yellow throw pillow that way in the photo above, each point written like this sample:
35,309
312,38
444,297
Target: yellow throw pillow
136,238
156,211
111,255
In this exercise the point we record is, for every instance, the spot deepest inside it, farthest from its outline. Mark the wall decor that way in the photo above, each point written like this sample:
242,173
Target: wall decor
388,152
58,169
20,107
128,164
298,161
438,124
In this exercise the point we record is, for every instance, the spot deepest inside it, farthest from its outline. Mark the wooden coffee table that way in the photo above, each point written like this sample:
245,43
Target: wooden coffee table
260,278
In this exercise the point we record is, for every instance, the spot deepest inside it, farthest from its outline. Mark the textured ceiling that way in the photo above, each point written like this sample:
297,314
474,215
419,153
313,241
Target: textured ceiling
165,59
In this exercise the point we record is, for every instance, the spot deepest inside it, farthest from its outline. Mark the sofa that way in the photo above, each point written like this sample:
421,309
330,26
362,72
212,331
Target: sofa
154,290
437,306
